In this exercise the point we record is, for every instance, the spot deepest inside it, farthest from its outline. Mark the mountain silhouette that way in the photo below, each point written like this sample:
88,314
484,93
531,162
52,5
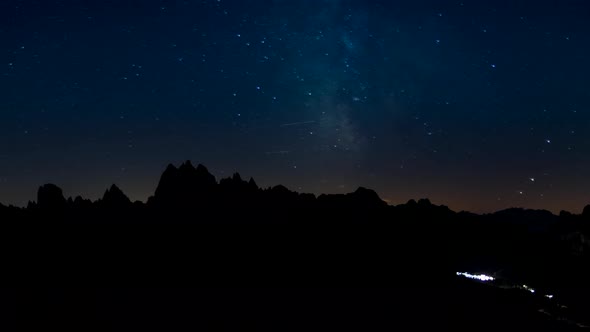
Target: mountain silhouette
114,198
361,198
196,230
50,197
185,186
188,187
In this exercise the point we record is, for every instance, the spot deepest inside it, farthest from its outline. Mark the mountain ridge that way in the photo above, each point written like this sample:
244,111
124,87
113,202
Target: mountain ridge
232,229
186,184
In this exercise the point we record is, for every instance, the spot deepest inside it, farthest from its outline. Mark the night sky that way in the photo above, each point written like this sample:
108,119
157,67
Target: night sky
479,105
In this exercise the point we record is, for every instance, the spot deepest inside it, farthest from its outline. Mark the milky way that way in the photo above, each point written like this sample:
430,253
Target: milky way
480,105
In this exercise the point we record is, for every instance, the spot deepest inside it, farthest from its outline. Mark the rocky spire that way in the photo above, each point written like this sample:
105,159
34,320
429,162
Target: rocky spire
50,196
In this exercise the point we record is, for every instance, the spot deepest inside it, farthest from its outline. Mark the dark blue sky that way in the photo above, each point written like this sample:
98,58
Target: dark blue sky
480,105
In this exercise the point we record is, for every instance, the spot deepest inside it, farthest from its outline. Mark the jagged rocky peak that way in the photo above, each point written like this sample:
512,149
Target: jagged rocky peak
80,200
114,195
187,166
50,196
184,183
236,177
170,168
252,184
424,202
187,171
114,190
204,176
201,169
234,180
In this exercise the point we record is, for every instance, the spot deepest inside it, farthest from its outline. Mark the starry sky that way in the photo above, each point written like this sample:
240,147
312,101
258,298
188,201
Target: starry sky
480,105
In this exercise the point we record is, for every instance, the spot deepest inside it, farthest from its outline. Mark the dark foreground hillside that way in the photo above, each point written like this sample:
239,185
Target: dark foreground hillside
459,306
229,255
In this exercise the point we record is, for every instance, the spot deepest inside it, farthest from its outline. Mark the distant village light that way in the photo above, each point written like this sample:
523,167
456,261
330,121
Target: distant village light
480,277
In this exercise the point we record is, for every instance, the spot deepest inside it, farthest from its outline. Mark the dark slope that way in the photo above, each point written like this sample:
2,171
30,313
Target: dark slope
461,306
196,232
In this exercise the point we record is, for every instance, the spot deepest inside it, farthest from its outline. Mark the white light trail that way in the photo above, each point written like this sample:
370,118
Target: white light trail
480,277
528,288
